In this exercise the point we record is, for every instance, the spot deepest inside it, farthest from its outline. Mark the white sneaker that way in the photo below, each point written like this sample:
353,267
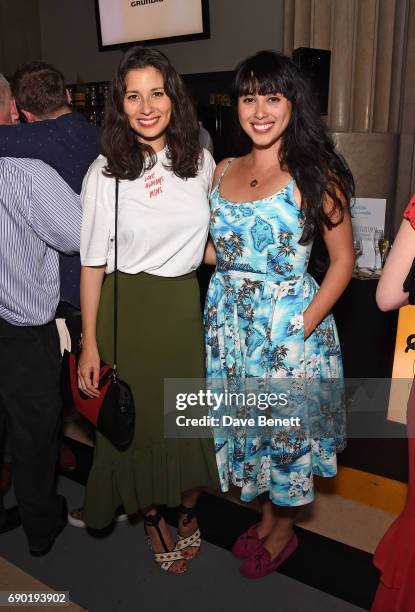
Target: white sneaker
75,518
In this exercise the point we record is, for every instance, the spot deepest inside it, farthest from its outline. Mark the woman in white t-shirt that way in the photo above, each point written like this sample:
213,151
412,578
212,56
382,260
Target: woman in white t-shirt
150,142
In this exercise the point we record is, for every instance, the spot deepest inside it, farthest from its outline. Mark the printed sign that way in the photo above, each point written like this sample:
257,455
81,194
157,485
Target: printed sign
368,216
127,21
403,365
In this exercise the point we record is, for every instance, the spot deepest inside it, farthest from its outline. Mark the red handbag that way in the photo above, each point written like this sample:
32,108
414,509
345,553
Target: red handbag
112,413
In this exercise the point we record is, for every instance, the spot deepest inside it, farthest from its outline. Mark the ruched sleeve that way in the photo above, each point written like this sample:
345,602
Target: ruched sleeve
97,216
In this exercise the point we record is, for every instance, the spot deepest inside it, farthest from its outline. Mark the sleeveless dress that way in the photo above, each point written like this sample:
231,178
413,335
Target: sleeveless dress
395,554
254,332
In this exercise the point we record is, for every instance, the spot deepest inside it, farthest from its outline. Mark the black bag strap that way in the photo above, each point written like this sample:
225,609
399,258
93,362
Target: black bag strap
115,374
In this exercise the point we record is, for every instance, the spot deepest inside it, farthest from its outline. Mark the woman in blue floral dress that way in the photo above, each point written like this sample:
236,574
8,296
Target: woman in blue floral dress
267,321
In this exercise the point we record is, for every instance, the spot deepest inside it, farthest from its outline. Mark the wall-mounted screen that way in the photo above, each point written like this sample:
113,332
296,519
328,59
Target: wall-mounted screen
127,22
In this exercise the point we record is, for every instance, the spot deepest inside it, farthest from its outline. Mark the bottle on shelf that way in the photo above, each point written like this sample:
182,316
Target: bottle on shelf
90,100
92,115
78,97
87,98
71,92
105,92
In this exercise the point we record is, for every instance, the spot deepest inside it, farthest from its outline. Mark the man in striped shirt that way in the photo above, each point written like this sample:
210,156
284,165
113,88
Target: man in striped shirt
8,116
61,137
40,217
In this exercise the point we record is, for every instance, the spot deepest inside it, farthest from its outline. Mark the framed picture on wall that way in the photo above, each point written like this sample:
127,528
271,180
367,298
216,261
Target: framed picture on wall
368,228
123,23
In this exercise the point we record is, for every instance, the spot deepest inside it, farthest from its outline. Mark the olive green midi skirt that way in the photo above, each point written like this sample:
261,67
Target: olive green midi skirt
160,336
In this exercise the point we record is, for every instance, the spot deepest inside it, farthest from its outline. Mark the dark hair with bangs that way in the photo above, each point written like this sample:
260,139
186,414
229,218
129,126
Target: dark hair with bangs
127,157
307,149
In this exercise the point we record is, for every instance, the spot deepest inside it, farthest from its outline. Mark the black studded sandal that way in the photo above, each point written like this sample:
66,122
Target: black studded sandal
192,541
168,557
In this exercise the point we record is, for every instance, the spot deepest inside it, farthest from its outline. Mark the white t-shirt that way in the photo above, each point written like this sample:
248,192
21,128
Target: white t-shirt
163,220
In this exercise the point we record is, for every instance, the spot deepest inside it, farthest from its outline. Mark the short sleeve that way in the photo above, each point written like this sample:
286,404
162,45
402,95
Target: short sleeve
410,212
96,216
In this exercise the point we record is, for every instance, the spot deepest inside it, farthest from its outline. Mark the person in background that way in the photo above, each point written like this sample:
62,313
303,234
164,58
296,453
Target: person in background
39,216
62,138
395,555
150,142
8,116
266,318
205,138
57,135
8,111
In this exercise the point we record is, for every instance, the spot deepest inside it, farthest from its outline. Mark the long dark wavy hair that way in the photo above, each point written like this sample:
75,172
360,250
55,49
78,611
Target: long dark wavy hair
307,149
127,157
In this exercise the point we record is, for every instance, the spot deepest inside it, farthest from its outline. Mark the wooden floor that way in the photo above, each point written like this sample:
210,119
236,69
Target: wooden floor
14,579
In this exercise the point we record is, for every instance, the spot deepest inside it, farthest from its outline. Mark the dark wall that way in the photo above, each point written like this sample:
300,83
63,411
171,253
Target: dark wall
238,28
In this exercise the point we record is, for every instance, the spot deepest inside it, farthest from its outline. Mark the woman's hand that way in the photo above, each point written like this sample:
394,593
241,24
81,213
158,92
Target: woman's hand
88,371
89,362
309,325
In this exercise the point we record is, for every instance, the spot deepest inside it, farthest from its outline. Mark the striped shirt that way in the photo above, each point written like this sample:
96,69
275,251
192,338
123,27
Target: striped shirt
69,144
39,216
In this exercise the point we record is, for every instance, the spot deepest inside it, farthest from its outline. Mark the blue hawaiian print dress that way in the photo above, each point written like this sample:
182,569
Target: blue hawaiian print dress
254,331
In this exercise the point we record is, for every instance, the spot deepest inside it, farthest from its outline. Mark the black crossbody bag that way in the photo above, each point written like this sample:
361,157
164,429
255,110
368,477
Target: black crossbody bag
113,412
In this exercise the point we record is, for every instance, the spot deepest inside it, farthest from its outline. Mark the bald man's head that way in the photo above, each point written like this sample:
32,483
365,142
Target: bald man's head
8,110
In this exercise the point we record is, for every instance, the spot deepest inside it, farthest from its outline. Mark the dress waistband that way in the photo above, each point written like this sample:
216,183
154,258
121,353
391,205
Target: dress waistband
280,286
145,276
263,277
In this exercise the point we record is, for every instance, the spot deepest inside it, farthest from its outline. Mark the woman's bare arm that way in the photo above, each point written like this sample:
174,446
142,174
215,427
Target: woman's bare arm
390,294
89,362
210,251
339,242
